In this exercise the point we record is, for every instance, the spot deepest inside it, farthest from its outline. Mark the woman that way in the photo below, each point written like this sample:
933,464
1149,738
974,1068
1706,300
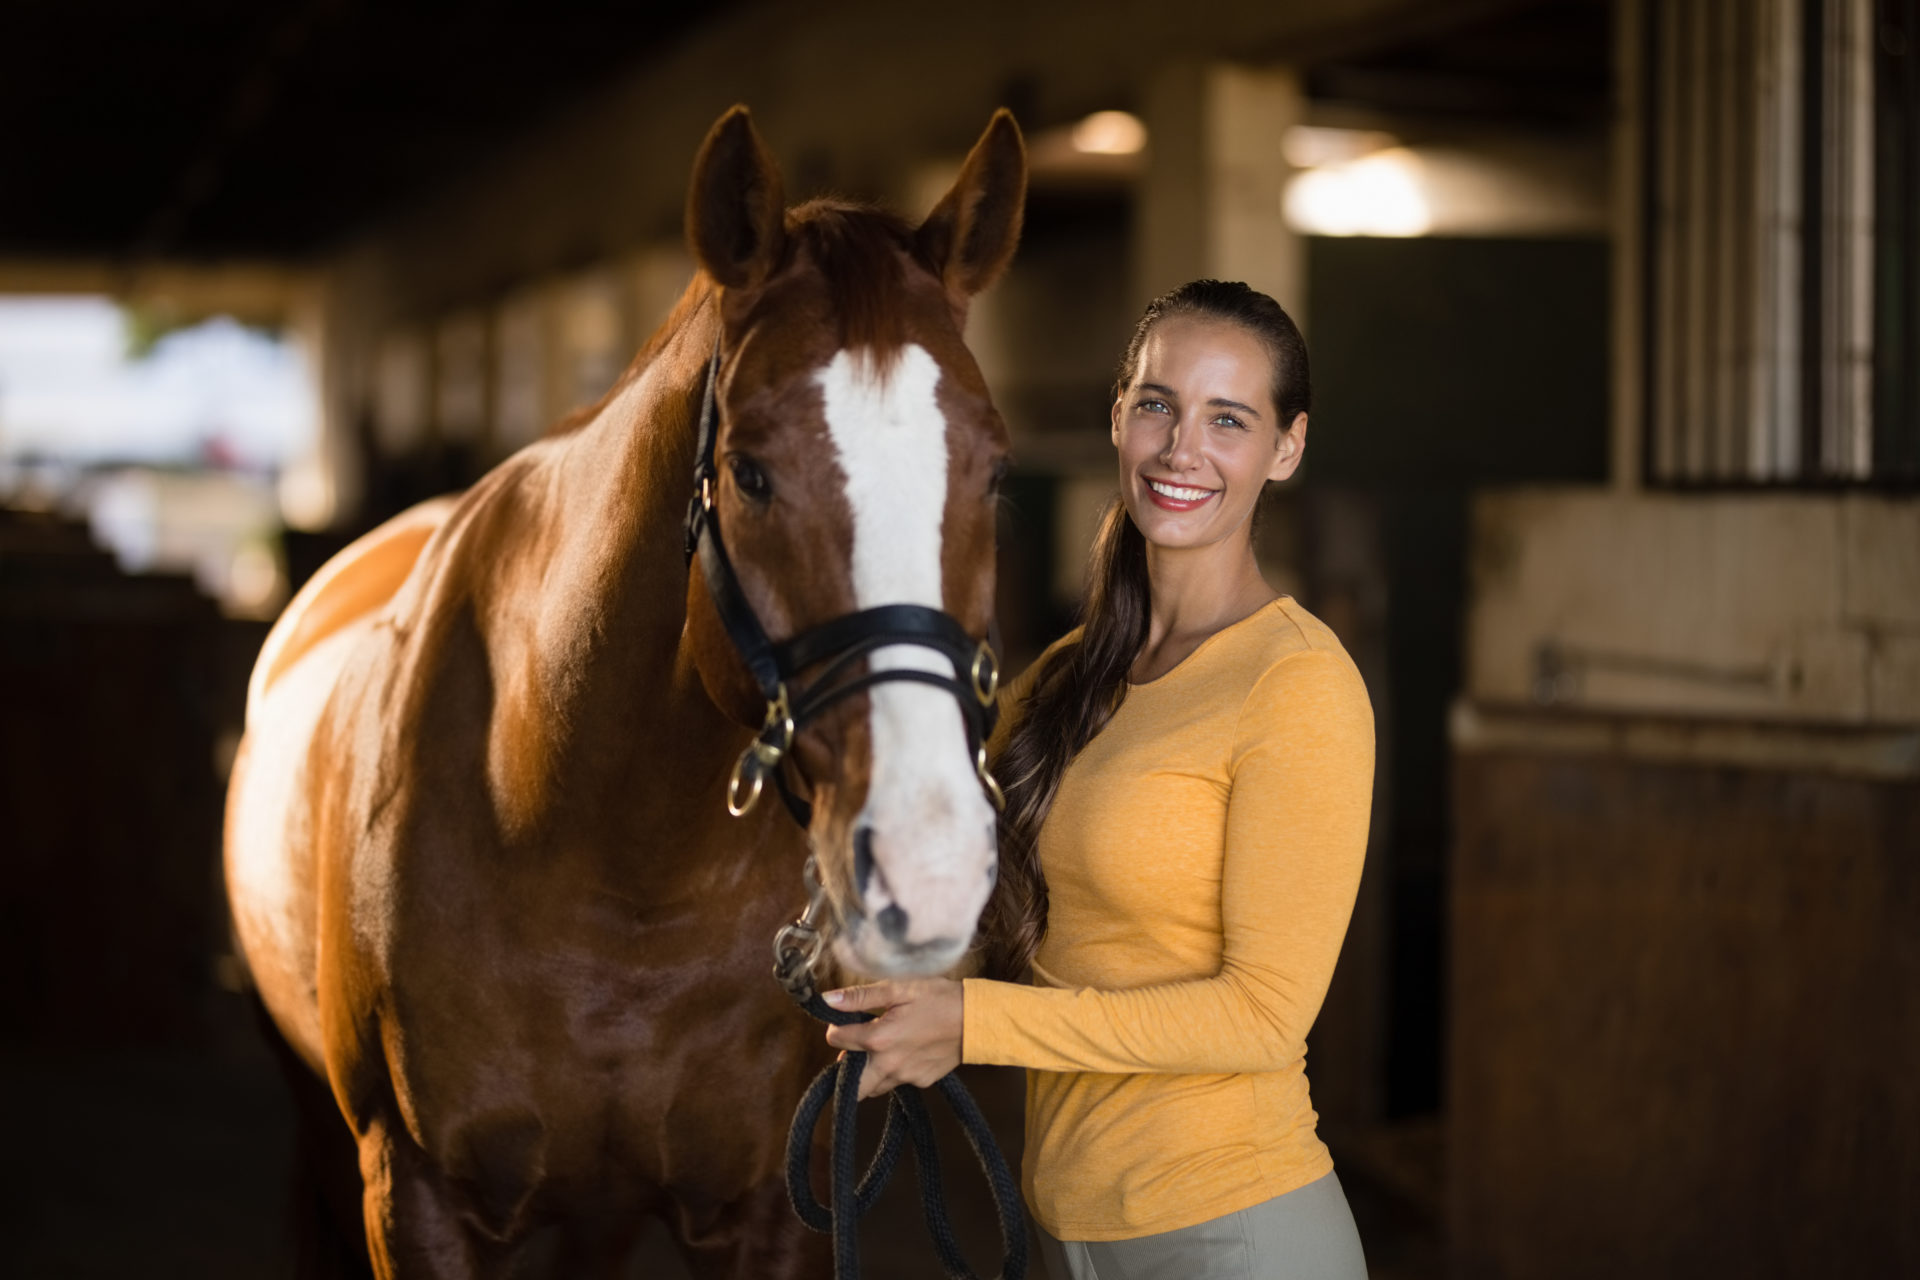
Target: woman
1188,780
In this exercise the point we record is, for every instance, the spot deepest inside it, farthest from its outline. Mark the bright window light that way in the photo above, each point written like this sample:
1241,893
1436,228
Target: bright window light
169,447
217,393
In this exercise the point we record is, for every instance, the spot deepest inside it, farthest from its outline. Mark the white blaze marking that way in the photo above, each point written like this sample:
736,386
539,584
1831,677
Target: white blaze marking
924,804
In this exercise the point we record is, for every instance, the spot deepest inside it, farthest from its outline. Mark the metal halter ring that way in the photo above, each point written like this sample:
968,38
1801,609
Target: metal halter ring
765,755
986,780
735,805
987,684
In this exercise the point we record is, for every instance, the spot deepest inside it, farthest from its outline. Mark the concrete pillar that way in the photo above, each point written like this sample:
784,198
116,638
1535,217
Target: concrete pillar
1209,200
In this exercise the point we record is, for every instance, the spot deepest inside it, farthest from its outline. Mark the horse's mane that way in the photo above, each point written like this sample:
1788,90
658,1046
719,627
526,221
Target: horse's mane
861,250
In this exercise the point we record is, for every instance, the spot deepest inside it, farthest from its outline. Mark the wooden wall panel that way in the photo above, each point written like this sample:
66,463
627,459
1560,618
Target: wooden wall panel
1684,1038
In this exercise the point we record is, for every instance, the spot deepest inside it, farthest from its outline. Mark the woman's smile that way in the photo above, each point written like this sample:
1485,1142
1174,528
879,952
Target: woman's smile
1174,497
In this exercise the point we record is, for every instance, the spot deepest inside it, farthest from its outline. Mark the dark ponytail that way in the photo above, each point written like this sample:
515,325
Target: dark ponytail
1083,684
1074,697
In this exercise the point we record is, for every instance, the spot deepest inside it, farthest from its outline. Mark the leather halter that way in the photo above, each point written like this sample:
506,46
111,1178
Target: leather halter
840,644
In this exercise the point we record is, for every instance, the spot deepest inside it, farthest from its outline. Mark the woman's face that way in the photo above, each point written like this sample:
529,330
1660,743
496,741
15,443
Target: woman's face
1198,432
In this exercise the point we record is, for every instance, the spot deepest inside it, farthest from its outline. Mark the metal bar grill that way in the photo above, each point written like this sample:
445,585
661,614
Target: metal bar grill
1768,286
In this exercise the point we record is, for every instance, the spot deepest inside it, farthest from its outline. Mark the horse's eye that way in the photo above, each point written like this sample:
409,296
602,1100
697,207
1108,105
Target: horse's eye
749,478
999,478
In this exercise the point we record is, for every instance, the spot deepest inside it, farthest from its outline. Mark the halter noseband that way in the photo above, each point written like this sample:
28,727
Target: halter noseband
839,643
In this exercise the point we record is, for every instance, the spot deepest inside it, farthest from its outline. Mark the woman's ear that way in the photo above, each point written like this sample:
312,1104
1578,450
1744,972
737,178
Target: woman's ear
1293,444
1117,400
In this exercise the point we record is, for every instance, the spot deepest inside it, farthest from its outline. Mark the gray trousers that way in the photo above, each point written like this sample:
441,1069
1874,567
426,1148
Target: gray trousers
1306,1234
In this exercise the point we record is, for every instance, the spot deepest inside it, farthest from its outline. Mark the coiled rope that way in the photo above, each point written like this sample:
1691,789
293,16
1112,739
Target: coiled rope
907,1118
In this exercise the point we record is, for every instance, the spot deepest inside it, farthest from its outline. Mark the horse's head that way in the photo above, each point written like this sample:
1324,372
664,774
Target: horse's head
857,458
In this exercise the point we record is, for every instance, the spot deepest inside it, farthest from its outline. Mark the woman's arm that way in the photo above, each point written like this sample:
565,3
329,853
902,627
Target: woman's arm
1296,836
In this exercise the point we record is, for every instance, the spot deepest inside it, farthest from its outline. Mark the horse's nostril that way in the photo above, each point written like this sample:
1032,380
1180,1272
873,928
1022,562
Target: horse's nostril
862,859
893,922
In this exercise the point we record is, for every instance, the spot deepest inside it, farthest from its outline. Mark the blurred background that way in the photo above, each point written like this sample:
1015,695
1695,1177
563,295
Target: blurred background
1613,492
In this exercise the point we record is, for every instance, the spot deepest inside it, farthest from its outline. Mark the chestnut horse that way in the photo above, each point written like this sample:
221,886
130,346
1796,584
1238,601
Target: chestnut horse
478,851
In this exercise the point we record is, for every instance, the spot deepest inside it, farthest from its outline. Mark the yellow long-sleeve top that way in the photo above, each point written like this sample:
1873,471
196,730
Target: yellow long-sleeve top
1202,858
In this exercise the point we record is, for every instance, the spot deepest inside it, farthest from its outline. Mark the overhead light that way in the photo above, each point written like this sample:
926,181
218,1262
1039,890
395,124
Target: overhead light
1376,195
1110,133
1308,146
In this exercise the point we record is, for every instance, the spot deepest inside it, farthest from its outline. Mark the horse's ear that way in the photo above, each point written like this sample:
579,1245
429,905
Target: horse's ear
735,206
970,236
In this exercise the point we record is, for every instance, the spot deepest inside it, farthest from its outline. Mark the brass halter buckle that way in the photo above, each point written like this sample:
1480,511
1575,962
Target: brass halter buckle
985,679
985,676
986,780
762,756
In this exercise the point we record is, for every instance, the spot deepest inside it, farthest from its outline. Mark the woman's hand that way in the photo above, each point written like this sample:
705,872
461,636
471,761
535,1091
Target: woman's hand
915,1041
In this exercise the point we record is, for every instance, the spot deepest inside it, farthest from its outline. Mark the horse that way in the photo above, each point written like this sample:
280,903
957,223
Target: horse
479,853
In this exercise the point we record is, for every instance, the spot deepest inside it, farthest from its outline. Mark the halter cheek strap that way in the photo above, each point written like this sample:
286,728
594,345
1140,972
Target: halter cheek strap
837,645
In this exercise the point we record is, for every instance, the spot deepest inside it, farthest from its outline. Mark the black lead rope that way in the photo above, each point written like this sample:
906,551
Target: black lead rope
907,1119
837,646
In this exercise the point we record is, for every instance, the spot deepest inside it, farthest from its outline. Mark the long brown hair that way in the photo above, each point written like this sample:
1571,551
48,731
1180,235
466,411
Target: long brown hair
1084,683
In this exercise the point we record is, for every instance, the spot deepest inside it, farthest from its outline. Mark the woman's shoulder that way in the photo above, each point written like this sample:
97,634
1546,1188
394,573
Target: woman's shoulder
1293,660
1284,651
1302,632
1280,631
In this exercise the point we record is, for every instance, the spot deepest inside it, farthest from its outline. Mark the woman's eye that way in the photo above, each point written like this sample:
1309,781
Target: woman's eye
1152,406
1228,420
749,478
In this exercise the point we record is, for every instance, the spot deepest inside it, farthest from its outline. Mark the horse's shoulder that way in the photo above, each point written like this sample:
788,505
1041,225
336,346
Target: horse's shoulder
353,584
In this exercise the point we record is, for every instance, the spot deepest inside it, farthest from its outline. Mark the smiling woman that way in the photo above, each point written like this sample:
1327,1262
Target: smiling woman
1191,439
1188,781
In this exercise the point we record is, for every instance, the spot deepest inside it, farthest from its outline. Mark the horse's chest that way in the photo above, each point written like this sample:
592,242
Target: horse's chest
557,1065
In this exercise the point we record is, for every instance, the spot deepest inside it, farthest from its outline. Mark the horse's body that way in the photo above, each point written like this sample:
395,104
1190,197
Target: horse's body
478,854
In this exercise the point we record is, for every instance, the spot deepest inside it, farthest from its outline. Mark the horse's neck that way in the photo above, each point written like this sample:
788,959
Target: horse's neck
605,591
625,475
636,743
